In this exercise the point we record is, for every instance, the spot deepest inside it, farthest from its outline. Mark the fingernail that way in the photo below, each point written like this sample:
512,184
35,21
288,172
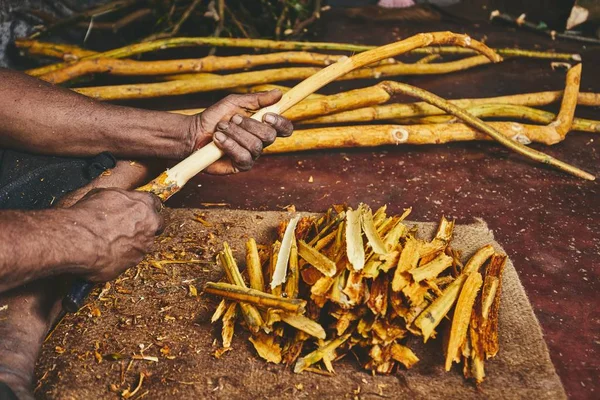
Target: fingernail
270,118
222,126
220,137
237,119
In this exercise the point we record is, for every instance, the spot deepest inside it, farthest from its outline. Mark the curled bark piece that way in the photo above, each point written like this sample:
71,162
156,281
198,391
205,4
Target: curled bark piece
281,268
408,260
462,315
304,324
354,244
432,269
316,259
293,282
253,266
266,347
404,355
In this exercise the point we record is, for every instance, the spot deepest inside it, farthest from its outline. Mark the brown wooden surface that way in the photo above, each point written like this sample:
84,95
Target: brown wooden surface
548,222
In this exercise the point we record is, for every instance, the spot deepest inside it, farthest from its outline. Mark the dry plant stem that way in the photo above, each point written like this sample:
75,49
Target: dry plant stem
57,50
422,109
507,111
254,297
421,129
166,67
251,315
385,135
293,281
172,180
145,47
191,83
253,266
462,316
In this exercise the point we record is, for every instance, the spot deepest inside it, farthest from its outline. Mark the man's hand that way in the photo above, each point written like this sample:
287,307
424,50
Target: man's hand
122,225
240,137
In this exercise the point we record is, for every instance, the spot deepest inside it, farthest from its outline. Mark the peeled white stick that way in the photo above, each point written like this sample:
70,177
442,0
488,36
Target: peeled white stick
280,273
172,180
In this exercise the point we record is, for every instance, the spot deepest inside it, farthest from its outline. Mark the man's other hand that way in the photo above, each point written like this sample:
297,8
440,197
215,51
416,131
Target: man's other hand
122,226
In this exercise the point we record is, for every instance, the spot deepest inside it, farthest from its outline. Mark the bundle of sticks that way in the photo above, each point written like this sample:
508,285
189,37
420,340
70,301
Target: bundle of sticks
344,114
354,280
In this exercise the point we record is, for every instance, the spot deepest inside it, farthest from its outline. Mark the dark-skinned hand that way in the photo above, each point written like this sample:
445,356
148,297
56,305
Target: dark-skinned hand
121,225
241,138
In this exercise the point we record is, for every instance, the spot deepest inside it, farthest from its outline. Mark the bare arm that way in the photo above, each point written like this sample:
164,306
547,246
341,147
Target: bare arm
105,233
42,118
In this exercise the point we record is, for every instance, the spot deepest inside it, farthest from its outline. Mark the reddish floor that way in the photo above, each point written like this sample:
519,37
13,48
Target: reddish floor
549,223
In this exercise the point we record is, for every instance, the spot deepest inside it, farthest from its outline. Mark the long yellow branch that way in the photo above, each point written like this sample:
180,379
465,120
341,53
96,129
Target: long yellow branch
186,84
166,67
505,111
423,109
354,136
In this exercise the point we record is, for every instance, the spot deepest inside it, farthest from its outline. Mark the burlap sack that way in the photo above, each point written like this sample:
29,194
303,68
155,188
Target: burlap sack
522,369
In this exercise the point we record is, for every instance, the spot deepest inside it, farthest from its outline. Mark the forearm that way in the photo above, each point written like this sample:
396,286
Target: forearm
37,244
38,117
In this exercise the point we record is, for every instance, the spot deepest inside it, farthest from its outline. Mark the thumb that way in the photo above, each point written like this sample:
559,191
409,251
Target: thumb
256,101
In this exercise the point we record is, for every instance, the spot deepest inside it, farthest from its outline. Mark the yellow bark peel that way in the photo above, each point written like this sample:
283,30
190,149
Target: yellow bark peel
266,347
354,242
432,268
368,226
316,259
253,266
462,315
408,260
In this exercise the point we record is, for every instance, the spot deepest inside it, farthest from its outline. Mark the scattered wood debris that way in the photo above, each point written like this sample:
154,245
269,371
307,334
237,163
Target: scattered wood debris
362,282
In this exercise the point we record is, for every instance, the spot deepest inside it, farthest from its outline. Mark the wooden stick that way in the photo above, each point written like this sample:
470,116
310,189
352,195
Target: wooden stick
165,67
195,83
172,180
422,109
140,48
506,111
64,51
255,297
339,137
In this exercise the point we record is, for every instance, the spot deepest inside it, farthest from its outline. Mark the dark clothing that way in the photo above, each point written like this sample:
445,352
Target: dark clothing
30,182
